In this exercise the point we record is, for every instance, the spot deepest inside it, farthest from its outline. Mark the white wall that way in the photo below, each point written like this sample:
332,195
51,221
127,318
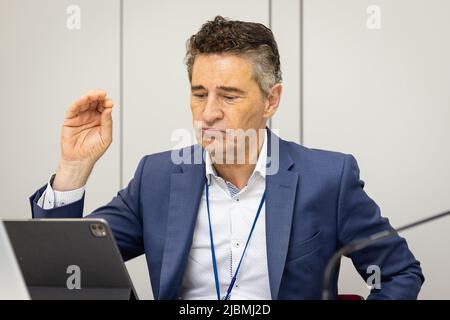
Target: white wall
44,67
383,95
378,94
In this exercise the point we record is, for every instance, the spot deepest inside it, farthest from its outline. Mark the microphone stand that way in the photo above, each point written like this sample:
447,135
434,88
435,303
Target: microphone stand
360,244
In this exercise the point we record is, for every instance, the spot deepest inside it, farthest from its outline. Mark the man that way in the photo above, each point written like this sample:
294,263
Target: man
259,225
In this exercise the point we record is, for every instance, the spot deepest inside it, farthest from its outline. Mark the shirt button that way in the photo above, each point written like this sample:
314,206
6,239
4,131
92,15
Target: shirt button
237,244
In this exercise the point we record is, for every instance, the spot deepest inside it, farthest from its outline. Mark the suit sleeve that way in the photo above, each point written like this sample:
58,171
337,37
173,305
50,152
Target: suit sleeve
359,217
123,214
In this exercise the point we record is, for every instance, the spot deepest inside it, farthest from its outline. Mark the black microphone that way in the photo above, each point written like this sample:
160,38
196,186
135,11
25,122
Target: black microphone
361,244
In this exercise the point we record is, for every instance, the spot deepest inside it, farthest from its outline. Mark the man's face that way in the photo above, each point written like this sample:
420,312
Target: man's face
224,96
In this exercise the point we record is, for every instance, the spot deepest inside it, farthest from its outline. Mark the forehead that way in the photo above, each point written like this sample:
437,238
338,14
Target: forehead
221,69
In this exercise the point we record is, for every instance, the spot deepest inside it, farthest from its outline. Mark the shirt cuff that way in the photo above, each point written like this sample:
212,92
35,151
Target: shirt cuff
52,199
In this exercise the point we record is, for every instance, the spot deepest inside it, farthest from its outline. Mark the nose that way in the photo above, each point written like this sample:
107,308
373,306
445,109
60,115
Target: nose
212,111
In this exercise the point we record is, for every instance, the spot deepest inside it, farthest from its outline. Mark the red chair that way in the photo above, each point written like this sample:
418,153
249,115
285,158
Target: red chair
349,297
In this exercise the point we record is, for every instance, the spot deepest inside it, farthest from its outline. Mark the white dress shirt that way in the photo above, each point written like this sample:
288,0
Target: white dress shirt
232,214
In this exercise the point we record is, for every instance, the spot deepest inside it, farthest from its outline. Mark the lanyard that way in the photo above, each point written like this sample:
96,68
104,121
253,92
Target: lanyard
213,253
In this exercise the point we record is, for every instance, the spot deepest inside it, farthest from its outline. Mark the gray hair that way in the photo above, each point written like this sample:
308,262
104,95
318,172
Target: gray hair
250,40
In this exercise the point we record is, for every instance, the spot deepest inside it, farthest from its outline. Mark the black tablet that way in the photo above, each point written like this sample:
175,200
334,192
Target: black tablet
70,259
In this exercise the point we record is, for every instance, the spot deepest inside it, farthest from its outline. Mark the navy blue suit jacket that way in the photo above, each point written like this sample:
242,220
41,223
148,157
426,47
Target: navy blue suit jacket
315,204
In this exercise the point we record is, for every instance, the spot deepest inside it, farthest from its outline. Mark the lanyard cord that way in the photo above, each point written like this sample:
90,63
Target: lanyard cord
213,253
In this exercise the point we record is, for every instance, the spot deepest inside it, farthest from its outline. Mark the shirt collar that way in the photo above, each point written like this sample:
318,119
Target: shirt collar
259,168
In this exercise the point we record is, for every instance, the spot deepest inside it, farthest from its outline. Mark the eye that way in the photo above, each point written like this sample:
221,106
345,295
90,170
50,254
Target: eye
200,95
230,98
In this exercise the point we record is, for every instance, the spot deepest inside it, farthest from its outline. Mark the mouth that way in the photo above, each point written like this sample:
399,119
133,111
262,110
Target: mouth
207,129
215,132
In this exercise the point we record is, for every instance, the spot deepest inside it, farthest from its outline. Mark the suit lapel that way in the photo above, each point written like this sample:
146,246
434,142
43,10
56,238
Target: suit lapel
280,199
186,190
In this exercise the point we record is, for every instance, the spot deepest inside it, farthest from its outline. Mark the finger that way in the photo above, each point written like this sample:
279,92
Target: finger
92,95
88,101
93,105
84,103
77,106
73,111
82,100
101,94
108,103
106,126
96,95
104,105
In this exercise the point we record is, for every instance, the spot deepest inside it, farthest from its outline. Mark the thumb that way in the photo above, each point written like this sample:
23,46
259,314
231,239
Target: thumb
106,125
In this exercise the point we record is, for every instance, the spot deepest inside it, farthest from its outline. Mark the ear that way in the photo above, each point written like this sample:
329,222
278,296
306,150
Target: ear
273,100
